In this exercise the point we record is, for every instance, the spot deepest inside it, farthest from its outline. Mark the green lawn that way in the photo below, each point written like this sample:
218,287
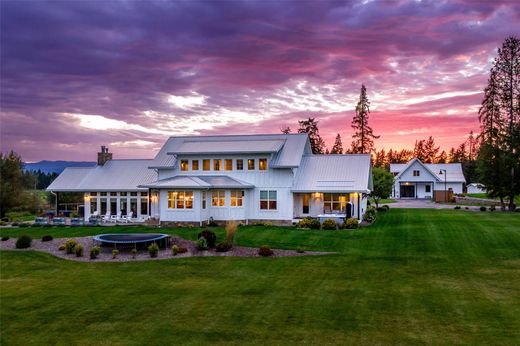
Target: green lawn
415,277
383,201
484,195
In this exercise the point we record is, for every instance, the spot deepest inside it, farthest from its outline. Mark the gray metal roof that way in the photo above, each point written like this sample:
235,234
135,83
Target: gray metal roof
199,182
334,173
287,148
114,175
454,172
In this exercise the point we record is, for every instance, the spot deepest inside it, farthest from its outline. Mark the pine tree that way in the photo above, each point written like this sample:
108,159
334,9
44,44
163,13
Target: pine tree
430,151
443,157
380,159
491,123
338,146
286,130
363,134
310,126
418,150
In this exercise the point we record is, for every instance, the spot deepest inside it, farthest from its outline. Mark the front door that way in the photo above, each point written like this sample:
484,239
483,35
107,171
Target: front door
305,204
407,191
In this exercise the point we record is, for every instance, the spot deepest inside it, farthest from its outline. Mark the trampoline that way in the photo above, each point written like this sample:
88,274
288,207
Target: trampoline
137,240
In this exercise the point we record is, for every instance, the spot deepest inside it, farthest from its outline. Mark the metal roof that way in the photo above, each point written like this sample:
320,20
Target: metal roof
199,182
454,172
287,148
114,175
334,173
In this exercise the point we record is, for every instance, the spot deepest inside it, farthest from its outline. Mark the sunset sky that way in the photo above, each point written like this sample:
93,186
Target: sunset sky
76,75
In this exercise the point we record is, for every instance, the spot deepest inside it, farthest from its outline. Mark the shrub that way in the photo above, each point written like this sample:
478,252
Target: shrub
265,251
153,250
231,230
202,244
78,250
304,223
482,208
386,206
300,250
492,208
70,245
182,249
370,214
381,209
23,225
23,242
14,224
133,252
115,253
4,238
467,208
62,247
175,250
352,223
94,252
457,207
47,238
224,246
210,236
267,224
329,224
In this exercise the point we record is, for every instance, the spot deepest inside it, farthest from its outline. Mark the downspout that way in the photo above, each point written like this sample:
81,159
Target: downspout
358,207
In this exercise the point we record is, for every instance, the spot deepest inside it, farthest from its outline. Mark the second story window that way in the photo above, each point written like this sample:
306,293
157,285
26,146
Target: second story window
240,165
184,165
217,164
251,164
262,164
416,173
228,164
206,165
194,165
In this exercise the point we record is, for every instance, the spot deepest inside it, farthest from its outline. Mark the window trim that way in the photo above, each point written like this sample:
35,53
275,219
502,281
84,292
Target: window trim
254,164
217,162
241,164
208,161
168,200
239,197
192,167
416,171
260,164
184,165
226,161
219,198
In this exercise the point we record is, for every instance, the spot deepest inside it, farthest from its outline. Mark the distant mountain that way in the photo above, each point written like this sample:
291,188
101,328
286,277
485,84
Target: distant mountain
56,166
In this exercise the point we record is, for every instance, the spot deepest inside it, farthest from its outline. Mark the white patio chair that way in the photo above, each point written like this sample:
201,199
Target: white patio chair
106,217
115,218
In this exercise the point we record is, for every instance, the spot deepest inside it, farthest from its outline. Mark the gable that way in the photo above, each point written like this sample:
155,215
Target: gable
415,170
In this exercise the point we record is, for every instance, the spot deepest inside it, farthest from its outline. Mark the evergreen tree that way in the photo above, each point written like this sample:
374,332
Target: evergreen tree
491,123
338,146
310,126
430,151
380,159
286,130
419,150
12,189
443,157
363,134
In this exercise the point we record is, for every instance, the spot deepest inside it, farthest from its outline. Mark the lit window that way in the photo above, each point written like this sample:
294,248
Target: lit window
268,200
93,193
194,165
251,164
180,199
217,164
228,164
237,198
206,165
334,202
184,165
240,165
416,173
262,164
218,198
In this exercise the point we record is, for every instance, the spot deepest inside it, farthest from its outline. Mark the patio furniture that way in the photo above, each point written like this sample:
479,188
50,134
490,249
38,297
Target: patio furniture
76,221
115,218
58,221
41,221
106,217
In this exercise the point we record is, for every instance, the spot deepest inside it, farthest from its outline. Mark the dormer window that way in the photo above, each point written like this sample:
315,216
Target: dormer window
184,165
416,173
217,164
240,165
228,164
194,165
251,164
206,165
262,164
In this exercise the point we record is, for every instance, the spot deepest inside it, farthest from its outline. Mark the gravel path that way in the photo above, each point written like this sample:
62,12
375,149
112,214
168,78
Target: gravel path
125,255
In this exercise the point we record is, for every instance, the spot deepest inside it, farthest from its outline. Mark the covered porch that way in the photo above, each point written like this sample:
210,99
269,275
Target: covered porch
320,204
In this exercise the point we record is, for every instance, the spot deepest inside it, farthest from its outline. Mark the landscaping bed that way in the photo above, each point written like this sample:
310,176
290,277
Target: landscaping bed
106,255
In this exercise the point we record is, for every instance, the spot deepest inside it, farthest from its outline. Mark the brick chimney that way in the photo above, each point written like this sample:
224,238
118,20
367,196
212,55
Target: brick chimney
103,156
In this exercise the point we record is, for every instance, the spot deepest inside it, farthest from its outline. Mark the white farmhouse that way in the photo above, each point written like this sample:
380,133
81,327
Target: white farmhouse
419,180
248,178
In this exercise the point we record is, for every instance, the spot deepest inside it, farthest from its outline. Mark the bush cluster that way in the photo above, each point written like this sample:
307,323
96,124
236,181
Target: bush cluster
153,250
23,242
383,208
309,222
94,252
482,208
133,252
62,247
265,251
78,250
115,253
4,238
224,246
492,208
351,223
457,207
202,244
370,214
329,224
47,238
267,224
70,245
210,236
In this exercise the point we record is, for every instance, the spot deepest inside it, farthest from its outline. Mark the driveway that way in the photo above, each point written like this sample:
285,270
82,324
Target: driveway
419,204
